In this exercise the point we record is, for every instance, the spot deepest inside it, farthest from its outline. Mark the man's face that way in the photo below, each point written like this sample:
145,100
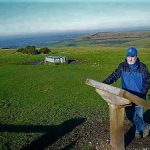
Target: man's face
131,60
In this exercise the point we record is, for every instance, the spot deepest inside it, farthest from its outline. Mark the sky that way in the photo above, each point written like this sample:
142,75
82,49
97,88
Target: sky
71,15
74,1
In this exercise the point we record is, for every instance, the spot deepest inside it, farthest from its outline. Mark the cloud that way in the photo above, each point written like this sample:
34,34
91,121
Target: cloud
33,18
75,1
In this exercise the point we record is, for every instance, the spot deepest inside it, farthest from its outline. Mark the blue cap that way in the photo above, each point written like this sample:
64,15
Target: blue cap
132,51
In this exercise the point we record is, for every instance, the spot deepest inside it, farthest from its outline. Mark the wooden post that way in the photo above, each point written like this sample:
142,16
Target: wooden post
116,112
116,127
117,100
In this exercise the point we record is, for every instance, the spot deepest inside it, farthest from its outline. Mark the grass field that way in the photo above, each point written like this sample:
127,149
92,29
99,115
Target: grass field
107,40
44,95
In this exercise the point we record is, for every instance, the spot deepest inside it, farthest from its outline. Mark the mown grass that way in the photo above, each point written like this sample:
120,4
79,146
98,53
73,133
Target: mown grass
50,94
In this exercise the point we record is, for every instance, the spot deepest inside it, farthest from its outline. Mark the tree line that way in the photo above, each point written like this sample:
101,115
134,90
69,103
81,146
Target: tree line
33,51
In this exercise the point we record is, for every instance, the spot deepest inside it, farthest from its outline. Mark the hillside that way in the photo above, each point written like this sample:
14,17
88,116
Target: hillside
116,39
49,107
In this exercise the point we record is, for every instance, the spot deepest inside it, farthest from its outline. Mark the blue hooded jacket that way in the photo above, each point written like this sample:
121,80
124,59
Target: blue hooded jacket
135,78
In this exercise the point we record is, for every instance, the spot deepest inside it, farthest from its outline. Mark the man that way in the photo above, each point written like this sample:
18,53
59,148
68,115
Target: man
135,79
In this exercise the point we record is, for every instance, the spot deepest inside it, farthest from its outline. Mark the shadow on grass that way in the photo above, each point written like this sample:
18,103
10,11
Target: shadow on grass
130,135
51,133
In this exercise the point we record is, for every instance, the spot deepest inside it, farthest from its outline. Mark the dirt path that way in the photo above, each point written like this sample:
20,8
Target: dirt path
94,135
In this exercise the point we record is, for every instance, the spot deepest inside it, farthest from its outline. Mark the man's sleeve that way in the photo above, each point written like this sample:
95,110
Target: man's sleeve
114,76
146,81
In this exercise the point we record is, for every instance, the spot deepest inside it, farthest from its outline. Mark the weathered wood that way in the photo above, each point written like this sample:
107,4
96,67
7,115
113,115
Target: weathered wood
112,98
102,86
135,99
118,92
116,127
117,99
116,110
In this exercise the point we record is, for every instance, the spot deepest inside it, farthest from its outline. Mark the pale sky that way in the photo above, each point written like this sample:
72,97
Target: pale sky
74,1
18,18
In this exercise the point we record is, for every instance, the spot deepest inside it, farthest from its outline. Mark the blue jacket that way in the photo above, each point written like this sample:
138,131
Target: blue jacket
135,78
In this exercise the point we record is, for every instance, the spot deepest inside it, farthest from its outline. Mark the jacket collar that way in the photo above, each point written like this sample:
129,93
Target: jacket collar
138,62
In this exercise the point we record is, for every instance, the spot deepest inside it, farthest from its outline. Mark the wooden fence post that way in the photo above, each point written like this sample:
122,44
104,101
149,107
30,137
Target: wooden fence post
117,100
116,127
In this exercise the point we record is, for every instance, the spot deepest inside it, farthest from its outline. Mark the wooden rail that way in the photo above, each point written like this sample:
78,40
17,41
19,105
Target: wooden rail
117,100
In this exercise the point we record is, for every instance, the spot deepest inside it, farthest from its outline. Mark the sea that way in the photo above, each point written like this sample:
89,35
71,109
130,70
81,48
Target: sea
38,40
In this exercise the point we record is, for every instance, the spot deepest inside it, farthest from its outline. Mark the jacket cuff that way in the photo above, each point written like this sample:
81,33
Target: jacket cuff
144,91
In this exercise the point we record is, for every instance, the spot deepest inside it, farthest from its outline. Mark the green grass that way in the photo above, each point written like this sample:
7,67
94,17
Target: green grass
70,44
122,42
50,94
145,42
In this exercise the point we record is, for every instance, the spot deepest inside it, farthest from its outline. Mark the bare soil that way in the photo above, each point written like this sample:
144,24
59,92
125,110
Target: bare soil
94,135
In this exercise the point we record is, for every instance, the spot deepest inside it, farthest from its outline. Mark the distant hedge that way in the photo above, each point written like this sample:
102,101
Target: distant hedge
33,51
44,50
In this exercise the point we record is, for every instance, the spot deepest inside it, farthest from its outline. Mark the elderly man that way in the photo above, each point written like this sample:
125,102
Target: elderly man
135,79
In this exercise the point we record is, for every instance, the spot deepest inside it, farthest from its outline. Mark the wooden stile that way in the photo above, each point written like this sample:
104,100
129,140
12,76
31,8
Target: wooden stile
117,100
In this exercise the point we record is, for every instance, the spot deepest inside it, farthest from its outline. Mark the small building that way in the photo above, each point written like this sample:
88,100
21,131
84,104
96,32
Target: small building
56,59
